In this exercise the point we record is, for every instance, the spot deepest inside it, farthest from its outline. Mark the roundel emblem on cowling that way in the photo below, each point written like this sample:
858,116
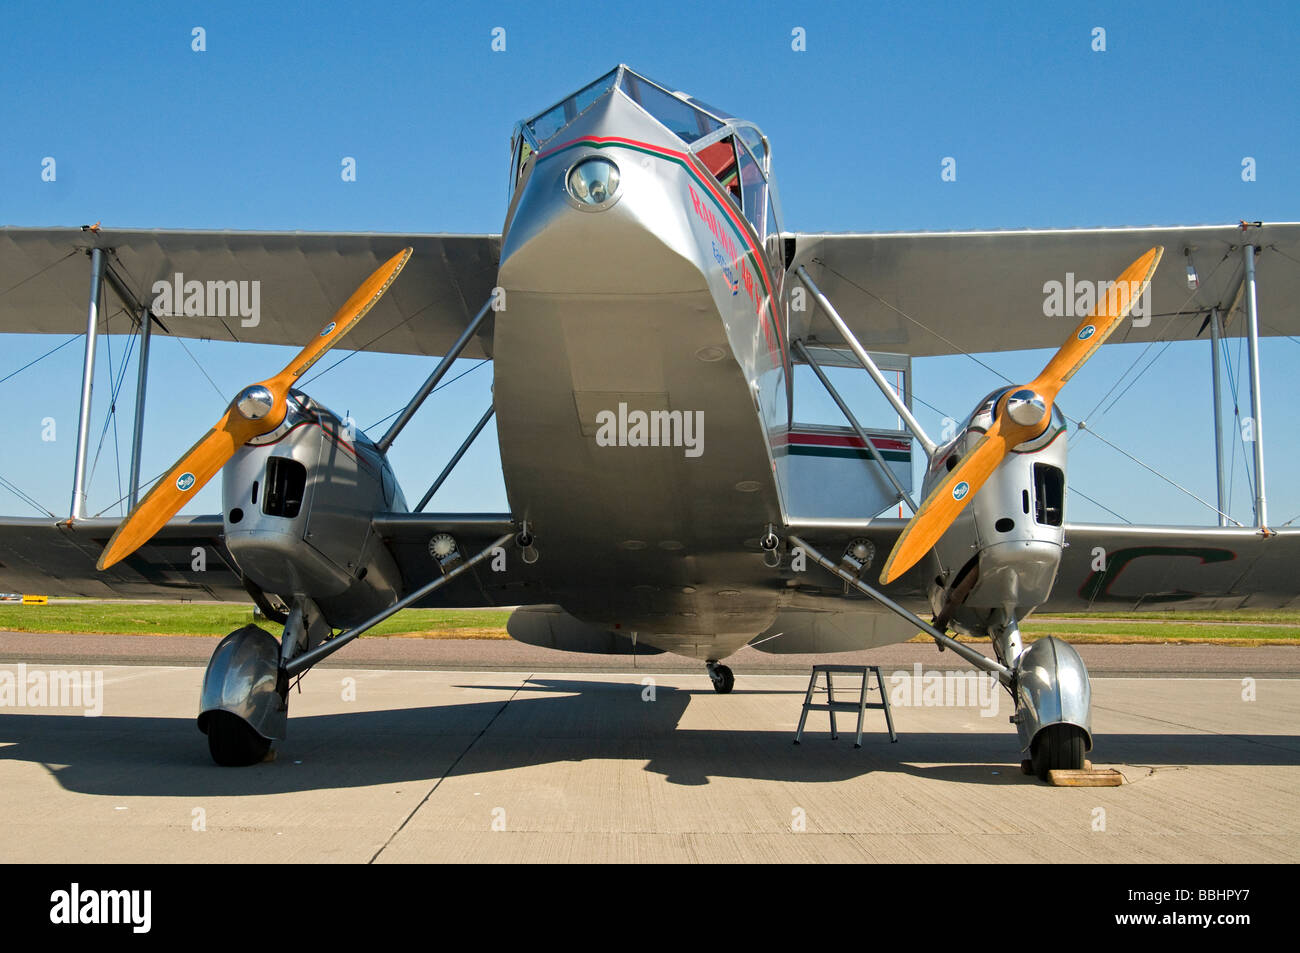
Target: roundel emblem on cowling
328,328
184,481
1087,332
960,490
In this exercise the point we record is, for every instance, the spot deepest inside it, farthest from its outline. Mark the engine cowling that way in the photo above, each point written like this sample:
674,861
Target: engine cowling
1010,536
298,505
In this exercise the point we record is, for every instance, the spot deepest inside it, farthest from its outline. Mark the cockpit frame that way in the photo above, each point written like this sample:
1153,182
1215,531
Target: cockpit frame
698,125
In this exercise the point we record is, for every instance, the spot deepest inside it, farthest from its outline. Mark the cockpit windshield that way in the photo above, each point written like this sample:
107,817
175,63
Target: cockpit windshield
548,124
734,151
684,116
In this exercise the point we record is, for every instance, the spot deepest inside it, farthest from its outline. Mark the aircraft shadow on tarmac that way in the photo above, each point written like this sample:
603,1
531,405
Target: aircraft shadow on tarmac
549,721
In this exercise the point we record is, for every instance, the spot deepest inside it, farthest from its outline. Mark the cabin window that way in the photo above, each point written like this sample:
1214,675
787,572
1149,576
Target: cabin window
1049,494
754,139
753,190
720,159
522,151
734,167
773,237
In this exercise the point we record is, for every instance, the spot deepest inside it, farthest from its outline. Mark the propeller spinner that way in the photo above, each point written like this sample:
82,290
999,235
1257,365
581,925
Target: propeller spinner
256,410
1021,414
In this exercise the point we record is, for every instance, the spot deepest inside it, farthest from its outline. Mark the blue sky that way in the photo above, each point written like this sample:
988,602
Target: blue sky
249,134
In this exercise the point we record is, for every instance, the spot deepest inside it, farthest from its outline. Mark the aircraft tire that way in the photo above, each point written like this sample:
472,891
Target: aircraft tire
1058,747
725,681
233,743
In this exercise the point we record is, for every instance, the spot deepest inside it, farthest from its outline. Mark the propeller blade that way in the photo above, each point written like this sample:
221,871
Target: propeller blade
1092,332
199,465
945,503
257,410
345,319
1030,411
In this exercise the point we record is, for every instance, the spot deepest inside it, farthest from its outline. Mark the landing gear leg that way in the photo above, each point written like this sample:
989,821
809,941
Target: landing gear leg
724,680
1007,643
1053,707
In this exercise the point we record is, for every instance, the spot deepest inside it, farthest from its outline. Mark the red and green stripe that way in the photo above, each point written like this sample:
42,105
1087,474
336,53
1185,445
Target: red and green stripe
738,223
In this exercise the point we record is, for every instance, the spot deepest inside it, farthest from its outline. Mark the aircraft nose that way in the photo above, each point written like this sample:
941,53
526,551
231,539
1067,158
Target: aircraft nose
599,221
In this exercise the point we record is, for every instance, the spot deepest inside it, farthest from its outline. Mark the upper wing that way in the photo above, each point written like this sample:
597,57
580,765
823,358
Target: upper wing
302,278
923,293
55,558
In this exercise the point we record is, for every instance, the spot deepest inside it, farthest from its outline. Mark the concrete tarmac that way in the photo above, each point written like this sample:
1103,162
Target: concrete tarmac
399,764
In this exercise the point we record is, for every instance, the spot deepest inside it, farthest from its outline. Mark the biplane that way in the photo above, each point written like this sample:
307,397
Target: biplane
648,314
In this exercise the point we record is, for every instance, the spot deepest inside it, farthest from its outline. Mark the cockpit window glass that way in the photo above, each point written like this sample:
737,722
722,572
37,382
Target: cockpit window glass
683,119
753,190
547,125
772,234
754,139
720,159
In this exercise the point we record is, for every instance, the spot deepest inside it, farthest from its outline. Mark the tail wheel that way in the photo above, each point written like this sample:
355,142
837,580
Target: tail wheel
724,679
232,741
1058,748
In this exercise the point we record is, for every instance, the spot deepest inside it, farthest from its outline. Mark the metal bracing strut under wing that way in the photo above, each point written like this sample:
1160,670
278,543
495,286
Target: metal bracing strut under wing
1218,417
78,507
1256,405
439,372
144,321
103,272
451,464
306,660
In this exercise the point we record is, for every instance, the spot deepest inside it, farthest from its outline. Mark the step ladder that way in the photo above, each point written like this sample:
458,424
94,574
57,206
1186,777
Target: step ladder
832,706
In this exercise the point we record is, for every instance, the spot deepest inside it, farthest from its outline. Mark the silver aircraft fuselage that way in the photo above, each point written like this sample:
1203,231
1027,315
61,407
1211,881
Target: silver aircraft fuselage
643,367
664,302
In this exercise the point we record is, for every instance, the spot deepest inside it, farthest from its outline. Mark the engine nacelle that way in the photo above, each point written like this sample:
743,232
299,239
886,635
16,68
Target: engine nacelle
298,505
1011,535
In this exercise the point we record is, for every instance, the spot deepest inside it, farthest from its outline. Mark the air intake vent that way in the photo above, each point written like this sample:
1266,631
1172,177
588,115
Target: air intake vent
286,482
1049,494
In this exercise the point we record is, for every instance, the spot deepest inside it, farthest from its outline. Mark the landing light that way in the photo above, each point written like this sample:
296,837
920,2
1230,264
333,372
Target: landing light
594,181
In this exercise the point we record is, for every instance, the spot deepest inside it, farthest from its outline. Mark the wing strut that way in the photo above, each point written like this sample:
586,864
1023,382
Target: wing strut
145,319
903,496
867,363
1256,408
944,641
439,372
78,509
300,663
451,464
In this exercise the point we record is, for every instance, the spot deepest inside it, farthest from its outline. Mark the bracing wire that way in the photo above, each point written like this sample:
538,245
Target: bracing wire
434,391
